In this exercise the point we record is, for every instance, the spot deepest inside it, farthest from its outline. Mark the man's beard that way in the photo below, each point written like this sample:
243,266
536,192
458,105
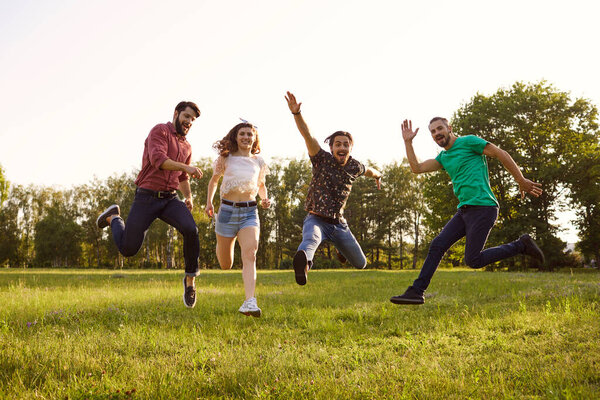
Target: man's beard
179,128
445,142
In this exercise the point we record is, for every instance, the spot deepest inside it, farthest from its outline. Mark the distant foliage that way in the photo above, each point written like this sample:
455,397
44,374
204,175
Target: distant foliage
553,138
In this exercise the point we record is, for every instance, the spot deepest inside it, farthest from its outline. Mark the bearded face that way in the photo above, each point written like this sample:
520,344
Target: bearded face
341,148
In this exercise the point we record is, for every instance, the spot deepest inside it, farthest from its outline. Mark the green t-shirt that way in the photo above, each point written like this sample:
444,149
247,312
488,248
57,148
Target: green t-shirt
468,170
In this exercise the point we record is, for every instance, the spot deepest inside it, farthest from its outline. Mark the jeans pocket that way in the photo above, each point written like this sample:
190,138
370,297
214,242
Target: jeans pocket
224,216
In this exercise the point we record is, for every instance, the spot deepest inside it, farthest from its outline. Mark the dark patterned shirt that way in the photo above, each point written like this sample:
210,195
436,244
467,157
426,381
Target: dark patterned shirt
331,184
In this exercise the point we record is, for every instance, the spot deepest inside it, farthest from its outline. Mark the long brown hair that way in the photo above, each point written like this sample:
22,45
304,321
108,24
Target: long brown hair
229,145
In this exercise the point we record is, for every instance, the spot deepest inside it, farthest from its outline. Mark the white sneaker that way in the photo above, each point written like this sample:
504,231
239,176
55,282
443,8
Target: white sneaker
249,307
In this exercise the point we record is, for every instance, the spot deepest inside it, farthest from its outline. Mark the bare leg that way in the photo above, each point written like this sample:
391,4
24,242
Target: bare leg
249,244
225,247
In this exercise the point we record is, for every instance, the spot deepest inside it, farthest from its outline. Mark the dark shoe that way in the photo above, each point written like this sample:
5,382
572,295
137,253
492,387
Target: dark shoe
112,210
411,296
532,249
189,295
340,256
300,267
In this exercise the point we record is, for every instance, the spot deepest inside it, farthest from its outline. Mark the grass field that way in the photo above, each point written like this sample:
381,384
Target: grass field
126,334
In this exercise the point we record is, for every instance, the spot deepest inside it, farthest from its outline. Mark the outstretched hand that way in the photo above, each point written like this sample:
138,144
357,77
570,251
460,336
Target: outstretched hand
292,104
265,203
527,186
407,132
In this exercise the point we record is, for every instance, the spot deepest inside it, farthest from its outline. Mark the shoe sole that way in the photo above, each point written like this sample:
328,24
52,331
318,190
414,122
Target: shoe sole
300,262
255,314
184,303
101,221
407,301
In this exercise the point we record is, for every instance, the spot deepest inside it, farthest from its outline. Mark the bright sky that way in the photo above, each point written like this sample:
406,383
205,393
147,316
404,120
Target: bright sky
83,82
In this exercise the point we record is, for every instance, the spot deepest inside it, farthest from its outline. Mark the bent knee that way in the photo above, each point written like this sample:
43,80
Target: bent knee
474,262
128,252
190,231
360,263
225,265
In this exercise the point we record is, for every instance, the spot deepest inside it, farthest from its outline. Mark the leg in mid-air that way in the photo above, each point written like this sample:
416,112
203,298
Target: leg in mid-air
312,236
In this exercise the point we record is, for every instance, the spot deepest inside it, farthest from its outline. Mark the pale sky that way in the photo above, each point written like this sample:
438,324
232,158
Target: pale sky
83,82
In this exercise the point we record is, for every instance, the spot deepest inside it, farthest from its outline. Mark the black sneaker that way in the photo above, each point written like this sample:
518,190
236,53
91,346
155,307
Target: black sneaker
412,295
532,249
112,210
189,295
300,267
340,256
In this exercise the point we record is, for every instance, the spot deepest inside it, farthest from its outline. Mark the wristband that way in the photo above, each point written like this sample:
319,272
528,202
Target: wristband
298,113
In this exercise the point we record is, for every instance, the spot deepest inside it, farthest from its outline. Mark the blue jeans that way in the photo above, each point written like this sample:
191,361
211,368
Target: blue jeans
316,229
144,210
474,222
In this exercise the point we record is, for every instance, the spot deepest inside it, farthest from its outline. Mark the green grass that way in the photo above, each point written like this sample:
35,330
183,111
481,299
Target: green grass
117,335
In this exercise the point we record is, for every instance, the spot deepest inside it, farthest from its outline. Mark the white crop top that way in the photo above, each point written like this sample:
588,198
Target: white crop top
245,174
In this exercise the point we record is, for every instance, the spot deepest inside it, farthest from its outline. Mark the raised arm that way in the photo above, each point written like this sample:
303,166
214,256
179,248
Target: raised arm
311,143
525,185
417,167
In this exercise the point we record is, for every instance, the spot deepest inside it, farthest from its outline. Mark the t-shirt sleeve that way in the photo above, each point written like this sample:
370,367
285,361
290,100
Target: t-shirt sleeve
359,168
219,166
318,158
476,143
439,157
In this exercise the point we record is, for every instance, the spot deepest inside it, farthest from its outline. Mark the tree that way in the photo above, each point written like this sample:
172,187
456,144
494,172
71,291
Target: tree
9,238
58,238
536,124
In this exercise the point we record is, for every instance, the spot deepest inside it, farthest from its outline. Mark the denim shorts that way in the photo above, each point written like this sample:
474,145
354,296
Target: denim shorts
231,219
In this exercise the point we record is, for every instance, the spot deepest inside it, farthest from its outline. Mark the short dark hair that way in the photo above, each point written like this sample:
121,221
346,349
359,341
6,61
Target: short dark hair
329,140
444,120
185,104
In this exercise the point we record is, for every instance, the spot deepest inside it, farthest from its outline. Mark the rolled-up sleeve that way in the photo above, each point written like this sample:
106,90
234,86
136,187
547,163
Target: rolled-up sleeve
158,146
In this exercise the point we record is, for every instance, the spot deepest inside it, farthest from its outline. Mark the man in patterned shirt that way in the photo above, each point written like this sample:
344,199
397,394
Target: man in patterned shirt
463,158
333,175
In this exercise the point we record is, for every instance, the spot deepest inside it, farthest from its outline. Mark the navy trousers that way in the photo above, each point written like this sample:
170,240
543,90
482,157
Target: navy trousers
145,209
474,222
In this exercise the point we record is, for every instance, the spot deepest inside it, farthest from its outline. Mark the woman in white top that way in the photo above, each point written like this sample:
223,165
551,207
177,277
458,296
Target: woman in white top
243,174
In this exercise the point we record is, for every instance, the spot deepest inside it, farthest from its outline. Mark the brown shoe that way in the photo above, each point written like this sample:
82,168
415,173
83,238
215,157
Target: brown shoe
112,210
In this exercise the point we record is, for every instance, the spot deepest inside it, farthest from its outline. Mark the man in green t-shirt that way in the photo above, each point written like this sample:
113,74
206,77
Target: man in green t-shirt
464,160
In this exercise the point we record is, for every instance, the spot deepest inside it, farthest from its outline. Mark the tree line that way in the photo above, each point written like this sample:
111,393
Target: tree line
553,138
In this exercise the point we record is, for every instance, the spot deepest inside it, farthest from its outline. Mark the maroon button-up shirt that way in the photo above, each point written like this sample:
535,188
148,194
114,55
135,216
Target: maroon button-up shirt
161,144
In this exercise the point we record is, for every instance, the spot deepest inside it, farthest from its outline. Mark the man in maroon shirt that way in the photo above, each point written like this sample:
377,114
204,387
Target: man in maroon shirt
165,168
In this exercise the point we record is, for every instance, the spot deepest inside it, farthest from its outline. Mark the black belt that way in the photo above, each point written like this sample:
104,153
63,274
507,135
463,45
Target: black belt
240,203
161,194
